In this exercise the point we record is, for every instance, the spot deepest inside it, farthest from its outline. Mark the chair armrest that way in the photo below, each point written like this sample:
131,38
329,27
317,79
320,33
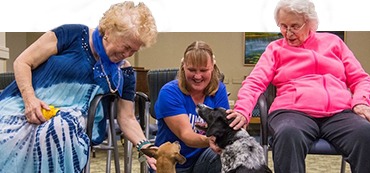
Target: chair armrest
142,95
142,102
262,103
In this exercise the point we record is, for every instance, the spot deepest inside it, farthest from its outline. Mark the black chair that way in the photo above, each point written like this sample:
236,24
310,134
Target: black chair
156,79
142,109
142,105
5,79
111,145
320,147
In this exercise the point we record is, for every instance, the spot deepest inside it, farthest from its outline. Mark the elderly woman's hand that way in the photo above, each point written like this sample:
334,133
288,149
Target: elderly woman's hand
33,112
363,111
239,120
152,162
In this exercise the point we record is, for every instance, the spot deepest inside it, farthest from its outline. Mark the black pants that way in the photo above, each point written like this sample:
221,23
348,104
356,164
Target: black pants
293,133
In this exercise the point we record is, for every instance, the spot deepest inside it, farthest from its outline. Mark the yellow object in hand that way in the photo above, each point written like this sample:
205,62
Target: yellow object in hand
49,114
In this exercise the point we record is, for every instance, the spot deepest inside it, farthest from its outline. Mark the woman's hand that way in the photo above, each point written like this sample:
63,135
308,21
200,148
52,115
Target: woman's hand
213,145
33,110
239,119
363,111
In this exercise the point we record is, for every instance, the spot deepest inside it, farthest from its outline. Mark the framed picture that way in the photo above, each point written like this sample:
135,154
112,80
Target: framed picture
340,34
256,43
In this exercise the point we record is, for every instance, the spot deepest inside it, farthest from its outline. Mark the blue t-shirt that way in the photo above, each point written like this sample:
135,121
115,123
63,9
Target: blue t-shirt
171,101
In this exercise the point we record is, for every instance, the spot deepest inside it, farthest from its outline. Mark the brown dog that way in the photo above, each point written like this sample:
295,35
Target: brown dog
167,155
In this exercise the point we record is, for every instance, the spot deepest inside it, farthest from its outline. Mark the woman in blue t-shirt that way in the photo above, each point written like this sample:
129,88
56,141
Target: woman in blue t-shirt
198,81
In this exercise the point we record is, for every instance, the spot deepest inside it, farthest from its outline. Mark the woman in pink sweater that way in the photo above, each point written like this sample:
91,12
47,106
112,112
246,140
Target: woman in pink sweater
322,91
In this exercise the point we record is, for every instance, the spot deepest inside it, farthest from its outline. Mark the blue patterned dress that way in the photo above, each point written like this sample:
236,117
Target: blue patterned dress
65,80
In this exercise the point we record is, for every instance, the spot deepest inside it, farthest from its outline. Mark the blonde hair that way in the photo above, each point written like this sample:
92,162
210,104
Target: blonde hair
126,19
196,54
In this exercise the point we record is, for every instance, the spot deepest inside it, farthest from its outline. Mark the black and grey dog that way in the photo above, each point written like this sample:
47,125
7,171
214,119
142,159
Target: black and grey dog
241,153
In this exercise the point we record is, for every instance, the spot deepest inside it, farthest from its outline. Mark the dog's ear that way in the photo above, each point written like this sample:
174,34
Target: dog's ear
180,158
217,128
219,122
151,152
222,113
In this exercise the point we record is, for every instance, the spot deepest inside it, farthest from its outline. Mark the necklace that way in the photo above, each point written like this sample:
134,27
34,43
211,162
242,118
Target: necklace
106,77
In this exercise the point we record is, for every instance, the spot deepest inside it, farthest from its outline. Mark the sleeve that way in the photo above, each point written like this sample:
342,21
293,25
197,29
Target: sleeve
358,81
67,35
129,84
170,101
256,83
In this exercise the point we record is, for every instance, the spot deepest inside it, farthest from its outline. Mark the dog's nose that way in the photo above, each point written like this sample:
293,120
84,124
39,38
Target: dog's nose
200,105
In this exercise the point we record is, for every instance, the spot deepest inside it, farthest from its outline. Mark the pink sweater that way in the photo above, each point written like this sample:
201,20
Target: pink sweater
321,77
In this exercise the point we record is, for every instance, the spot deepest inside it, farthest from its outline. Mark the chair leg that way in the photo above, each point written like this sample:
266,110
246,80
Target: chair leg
109,152
266,151
343,166
143,167
93,152
116,156
113,143
128,155
87,167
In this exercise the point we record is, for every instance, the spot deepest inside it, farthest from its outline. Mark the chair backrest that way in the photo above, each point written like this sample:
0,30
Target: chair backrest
156,79
5,79
270,95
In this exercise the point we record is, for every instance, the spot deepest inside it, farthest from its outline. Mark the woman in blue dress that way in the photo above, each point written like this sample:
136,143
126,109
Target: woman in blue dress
66,67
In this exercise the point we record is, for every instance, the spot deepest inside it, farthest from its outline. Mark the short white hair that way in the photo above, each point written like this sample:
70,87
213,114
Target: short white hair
304,7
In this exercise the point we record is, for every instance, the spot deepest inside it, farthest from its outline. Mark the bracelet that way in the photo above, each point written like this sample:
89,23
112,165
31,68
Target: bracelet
141,144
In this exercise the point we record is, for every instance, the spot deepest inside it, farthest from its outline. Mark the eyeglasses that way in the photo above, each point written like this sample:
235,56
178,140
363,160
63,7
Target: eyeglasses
294,29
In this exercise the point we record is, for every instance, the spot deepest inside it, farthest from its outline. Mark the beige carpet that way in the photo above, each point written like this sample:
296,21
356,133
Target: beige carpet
315,163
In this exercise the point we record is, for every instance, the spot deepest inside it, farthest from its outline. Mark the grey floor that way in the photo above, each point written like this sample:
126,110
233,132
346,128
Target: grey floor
315,163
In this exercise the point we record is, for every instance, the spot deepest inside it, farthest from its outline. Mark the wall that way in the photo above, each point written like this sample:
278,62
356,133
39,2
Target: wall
359,43
4,52
17,42
227,46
